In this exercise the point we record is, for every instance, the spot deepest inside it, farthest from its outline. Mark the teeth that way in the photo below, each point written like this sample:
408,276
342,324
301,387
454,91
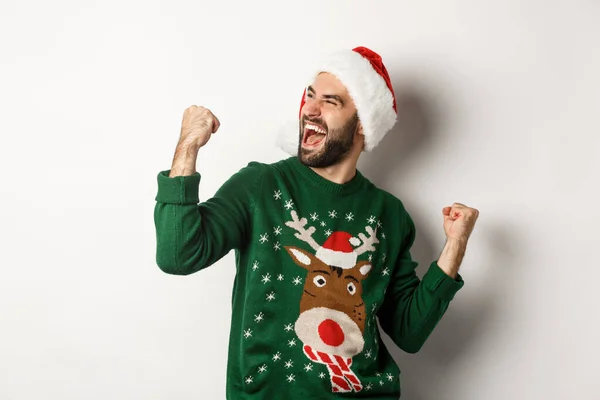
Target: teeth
315,128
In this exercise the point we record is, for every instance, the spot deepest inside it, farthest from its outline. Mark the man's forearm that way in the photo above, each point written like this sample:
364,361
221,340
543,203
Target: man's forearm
184,161
452,256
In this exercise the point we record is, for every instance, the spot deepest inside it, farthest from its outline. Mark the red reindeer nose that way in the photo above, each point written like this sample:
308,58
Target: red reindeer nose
331,333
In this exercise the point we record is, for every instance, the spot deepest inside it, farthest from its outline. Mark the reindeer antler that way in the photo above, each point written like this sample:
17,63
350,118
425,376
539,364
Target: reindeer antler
367,242
303,234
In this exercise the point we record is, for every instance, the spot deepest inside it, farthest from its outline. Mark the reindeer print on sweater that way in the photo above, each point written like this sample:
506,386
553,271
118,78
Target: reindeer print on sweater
332,313
318,278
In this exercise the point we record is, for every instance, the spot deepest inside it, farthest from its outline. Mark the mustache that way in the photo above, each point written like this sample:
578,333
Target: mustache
316,121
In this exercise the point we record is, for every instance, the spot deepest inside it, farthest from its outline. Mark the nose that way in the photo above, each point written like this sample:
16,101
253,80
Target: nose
311,108
331,333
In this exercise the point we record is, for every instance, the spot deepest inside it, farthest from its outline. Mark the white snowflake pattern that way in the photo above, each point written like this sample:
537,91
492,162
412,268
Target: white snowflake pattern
349,217
371,220
288,327
255,266
377,374
249,380
308,367
292,343
323,224
322,375
290,378
389,377
297,280
369,386
314,216
368,354
332,214
259,317
277,230
385,272
280,277
328,232
289,205
379,224
264,238
380,383
277,356
289,364
374,307
277,195
266,278
262,369
383,235
277,246
271,296
370,257
383,257
248,333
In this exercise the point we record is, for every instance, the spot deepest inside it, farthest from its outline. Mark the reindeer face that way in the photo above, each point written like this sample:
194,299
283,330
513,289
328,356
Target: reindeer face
332,312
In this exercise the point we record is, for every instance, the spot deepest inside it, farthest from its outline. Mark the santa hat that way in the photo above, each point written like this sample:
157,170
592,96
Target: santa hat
364,75
337,251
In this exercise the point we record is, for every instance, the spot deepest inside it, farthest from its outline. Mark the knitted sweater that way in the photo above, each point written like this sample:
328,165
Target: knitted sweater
317,262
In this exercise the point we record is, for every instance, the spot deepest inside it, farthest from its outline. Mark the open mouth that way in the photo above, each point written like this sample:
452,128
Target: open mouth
313,135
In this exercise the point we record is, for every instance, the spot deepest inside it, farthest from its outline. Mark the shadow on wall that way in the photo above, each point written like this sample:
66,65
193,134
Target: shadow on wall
424,375
418,119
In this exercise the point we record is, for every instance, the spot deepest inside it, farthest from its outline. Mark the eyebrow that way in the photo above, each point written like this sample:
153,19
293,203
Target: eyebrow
327,96
351,277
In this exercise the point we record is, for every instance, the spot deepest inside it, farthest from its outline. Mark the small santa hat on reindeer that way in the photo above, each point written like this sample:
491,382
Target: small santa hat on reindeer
338,250
362,72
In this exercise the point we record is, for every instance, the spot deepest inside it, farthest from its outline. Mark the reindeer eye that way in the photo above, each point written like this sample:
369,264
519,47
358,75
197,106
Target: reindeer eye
319,280
351,288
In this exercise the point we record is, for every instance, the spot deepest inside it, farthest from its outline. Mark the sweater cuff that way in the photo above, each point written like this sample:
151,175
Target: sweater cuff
442,285
178,189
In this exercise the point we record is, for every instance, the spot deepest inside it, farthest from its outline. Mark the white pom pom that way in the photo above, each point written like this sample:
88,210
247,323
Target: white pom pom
354,241
287,137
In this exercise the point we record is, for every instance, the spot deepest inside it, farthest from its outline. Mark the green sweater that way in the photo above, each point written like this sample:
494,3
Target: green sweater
317,262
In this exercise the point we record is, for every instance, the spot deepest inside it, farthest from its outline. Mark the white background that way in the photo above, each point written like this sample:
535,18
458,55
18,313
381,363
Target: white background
499,105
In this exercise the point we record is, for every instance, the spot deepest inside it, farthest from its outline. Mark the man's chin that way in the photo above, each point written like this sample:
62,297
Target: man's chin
312,158
310,151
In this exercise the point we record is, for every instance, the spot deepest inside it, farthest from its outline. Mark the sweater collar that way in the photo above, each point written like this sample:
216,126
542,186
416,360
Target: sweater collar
336,189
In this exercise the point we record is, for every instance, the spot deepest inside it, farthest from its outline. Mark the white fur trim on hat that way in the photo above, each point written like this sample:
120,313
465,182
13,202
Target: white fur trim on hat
371,95
337,258
288,137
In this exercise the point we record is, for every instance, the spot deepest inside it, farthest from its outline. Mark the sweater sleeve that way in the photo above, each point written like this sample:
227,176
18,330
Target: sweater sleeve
191,236
412,307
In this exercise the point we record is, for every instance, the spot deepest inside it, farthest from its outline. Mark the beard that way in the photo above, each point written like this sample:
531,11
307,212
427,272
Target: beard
336,147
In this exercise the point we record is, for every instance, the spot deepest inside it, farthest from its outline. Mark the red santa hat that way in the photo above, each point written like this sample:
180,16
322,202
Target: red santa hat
338,250
364,75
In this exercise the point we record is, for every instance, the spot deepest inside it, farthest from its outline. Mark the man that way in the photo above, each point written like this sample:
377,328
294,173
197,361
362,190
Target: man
320,251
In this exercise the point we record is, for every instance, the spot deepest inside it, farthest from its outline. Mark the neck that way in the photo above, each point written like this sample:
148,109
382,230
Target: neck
339,173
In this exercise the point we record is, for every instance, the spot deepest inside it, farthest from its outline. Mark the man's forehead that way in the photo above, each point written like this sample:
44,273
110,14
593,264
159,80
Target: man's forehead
326,83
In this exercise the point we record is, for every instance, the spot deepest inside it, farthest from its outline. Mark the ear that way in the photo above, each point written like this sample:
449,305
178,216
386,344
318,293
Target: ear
302,257
360,135
359,129
364,267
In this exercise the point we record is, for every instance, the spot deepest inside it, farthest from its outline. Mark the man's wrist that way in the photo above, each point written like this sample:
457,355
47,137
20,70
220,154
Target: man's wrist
452,256
184,161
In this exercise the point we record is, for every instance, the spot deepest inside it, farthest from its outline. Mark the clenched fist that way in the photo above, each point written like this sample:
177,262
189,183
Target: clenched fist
198,125
459,221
